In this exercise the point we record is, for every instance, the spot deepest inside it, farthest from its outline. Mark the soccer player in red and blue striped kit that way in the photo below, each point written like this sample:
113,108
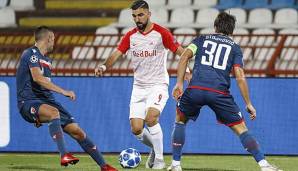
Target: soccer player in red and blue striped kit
216,55
37,104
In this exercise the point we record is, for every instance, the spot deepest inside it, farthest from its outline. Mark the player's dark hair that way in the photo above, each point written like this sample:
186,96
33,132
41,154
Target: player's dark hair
139,4
225,23
40,31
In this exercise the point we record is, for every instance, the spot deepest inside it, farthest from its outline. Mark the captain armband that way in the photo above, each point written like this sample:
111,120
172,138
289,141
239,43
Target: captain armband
193,48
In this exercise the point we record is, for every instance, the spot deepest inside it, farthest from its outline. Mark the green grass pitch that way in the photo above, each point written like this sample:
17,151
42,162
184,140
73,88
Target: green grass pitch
50,162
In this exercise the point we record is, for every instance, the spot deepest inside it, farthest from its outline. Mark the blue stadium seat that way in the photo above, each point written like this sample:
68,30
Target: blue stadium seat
225,4
276,4
251,4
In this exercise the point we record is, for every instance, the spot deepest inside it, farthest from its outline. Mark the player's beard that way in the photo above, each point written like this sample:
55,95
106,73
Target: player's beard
142,26
50,49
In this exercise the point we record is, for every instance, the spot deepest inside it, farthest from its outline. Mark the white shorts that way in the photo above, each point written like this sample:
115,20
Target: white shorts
143,98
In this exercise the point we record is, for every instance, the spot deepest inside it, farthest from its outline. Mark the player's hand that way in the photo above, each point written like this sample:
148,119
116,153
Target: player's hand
69,94
177,91
187,76
252,111
98,72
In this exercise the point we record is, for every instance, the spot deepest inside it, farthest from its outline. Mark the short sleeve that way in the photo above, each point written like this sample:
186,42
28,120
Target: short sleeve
238,57
169,41
125,42
194,44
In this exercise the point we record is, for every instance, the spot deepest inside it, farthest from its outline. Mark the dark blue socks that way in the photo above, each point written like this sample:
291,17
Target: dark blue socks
251,145
178,139
88,146
57,135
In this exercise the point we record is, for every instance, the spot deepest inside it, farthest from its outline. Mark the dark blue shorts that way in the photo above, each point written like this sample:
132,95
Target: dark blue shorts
29,111
224,106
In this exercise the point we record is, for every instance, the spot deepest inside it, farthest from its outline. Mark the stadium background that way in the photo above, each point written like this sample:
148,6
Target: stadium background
87,32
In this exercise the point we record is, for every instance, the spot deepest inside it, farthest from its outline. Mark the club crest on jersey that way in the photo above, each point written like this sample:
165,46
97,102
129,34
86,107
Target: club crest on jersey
33,59
32,110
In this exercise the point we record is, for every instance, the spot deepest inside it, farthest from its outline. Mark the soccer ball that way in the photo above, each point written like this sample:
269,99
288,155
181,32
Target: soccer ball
130,158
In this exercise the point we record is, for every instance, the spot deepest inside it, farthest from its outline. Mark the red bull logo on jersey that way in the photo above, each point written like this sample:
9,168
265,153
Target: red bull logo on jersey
145,53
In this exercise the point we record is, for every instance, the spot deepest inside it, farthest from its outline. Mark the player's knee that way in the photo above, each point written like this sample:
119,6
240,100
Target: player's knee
136,130
151,121
54,113
78,134
181,119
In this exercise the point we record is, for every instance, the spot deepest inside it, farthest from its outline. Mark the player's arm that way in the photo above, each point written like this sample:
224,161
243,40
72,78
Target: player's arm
121,49
182,65
108,63
46,83
179,51
242,84
188,75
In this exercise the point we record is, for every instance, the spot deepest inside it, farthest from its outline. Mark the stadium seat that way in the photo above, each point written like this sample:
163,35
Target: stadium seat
241,39
288,31
159,15
7,17
252,4
263,54
181,17
88,52
263,40
125,30
255,21
185,40
207,31
291,40
206,17
125,18
22,5
4,3
106,40
156,3
277,4
198,4
239,13
178,3
289,54
224,4
184,30
104,52
241,31
286,17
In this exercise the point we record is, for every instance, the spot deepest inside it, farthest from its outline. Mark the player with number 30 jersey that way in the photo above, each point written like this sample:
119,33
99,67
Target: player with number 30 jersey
215,57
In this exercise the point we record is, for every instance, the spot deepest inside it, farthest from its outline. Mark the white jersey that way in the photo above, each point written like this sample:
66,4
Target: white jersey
148,53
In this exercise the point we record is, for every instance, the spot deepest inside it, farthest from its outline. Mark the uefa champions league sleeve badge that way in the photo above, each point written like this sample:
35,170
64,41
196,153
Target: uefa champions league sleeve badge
33,59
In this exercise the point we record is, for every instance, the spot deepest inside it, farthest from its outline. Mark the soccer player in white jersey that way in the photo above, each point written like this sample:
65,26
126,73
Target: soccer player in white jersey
148,46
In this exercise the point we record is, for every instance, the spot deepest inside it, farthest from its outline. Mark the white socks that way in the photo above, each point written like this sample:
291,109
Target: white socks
154,139
145,138
263,163
175,163
157,140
